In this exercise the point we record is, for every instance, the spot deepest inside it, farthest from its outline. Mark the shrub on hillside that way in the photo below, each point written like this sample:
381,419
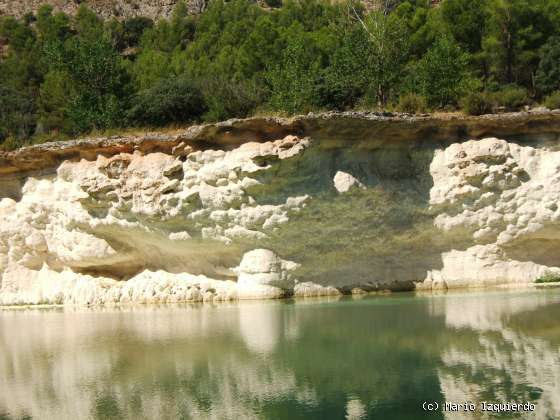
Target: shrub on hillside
11,143
17,114
412,103
548,278
133,28
273,3
477,103
553,101
226,97
512,97
169,101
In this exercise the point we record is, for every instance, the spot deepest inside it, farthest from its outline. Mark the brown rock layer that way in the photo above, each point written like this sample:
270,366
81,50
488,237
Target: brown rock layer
373,129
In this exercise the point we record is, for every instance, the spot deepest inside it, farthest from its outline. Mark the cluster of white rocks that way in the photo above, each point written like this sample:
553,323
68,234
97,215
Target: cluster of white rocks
186,226
503,198
158,221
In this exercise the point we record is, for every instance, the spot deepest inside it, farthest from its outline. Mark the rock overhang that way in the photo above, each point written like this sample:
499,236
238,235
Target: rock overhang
334,129
174,214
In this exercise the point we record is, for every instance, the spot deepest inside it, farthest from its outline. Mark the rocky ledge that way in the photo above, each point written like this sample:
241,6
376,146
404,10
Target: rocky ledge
343,126
268,207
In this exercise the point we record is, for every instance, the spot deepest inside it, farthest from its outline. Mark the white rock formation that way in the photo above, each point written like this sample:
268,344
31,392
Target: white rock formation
344,182
310,289
263,273
175,227
504,198
73,236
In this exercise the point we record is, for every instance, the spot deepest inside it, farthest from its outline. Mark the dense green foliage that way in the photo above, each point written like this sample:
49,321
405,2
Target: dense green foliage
477,103
548,72
62,75
411,103
553,100
172,100
511,97
548,278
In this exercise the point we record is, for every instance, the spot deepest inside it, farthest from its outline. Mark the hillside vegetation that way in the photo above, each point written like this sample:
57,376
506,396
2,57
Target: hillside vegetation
62,76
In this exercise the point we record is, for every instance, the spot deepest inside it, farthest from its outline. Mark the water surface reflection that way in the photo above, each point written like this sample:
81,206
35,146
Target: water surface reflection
375,357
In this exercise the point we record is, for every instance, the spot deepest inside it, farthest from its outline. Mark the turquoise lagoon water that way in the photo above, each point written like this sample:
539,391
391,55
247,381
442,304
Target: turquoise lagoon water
376,357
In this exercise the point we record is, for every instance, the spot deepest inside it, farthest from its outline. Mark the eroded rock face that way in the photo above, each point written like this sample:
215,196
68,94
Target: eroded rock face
148,219
502,197
259,220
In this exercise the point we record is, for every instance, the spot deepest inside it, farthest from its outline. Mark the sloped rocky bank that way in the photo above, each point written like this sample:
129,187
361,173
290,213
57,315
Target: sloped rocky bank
320,204
120,9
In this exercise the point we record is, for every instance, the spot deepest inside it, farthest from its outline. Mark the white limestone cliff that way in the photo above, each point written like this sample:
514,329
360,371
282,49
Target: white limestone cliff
504,197
261,220
152,220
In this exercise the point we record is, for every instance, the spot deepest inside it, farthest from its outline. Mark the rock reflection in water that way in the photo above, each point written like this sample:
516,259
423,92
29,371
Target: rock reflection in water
501,362
376,357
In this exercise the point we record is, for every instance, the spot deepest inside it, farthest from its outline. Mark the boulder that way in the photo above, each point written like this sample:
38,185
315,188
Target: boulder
344,182
263,273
